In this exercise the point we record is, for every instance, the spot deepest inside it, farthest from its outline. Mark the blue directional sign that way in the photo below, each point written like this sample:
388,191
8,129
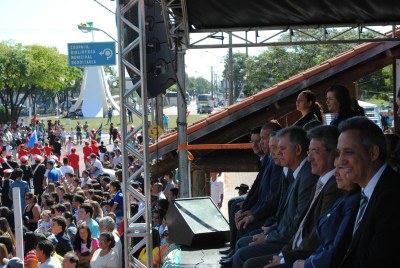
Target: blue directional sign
91,54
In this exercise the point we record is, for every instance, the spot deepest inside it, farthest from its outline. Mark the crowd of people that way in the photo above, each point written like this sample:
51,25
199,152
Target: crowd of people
72,214
325,195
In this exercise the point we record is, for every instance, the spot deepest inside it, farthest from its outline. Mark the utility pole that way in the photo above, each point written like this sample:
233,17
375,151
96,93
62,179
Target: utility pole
230,68
212,83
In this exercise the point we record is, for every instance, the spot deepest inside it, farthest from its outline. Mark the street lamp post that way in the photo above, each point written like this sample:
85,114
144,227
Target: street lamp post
86,28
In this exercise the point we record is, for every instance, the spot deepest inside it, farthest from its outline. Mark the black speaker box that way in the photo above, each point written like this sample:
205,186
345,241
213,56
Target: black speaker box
196,222
160,60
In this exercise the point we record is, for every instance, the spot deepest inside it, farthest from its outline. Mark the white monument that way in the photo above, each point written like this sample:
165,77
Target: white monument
95,96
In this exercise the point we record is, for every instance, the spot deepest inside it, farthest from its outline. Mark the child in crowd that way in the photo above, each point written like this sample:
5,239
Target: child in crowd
44,224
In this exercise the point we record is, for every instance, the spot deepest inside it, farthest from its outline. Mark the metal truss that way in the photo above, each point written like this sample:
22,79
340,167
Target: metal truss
134,228
175,14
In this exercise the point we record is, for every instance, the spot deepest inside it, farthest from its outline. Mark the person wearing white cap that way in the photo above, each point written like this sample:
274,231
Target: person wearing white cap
38,170
13,263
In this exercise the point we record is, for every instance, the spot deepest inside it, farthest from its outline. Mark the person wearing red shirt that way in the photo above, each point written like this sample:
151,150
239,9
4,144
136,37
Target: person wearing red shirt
47,150
73,161
95,147
35,150
87,150
22,152
34,120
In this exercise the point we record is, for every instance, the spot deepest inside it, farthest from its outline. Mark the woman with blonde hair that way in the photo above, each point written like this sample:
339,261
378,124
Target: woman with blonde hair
5,230
3,254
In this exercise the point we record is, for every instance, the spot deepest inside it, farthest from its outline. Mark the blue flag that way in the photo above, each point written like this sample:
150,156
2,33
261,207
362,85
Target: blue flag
32,139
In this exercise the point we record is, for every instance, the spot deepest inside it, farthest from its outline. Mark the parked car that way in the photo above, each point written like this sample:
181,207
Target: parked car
205,108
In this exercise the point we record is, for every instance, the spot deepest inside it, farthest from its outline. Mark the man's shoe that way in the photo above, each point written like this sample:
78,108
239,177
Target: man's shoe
226,263
226,251
229,255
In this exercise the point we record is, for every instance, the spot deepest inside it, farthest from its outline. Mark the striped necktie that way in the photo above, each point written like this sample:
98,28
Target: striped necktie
297,236
361,210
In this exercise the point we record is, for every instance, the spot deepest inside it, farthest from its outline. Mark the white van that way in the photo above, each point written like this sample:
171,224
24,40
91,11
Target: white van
371,111
204,99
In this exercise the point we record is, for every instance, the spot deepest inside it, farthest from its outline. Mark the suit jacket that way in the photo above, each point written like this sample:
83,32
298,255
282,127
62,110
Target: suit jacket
297,201
310,241
252,195
38,175
330,230
376,241
268,187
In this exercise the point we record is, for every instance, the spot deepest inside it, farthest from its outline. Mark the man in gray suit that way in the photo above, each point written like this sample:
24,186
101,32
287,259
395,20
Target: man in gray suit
321,155
292,146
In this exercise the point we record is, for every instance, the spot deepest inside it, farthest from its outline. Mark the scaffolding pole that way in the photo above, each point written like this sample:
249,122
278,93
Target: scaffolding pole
133,227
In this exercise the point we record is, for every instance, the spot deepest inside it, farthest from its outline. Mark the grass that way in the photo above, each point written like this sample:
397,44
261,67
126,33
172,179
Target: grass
96,122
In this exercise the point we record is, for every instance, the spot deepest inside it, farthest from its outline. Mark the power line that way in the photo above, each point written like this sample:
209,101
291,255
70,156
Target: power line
104,6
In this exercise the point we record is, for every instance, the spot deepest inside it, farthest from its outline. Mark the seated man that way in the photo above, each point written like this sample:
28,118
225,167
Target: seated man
292,146
321,155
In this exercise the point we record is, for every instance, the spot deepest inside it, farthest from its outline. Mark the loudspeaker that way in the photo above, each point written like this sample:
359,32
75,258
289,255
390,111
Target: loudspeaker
160,59
196,222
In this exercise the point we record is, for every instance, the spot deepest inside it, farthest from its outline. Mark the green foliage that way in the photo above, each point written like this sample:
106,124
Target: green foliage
197,85
277,64
32,71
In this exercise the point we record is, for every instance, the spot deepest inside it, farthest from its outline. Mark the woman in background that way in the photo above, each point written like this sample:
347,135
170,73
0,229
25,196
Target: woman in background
310,109
341,105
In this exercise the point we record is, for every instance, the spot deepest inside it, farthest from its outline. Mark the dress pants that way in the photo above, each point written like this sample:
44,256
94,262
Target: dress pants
232,209
245,253
260,262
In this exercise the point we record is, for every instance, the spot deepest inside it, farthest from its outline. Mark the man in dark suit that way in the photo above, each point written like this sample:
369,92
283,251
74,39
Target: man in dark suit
270,178
261,185
373,237
321,155
38,170
233,203
292,146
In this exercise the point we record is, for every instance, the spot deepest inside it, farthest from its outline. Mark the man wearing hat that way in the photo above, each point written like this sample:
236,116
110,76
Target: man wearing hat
22,185
5,187
38,170
73,161
22,152
26,169
242,189
9,162
87,150
35,150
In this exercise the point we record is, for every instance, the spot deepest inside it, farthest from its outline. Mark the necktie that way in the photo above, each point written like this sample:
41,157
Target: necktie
361,210
296,240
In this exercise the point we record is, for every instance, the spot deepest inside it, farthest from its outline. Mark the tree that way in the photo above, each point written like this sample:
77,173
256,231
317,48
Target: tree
277,64
197,85
238,73
30,71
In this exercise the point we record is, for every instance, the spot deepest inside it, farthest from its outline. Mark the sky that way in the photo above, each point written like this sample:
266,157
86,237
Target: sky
54,23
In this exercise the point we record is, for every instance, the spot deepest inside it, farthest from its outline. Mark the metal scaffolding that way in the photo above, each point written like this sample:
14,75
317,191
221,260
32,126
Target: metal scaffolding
176,17
134,228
